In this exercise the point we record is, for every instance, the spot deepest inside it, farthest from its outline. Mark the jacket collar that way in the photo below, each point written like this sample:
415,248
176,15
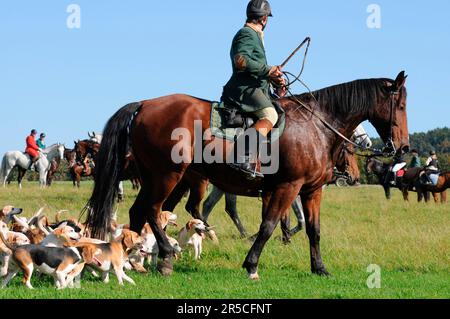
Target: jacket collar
257,30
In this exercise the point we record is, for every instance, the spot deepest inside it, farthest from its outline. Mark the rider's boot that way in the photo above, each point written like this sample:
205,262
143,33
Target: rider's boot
247,162
33,161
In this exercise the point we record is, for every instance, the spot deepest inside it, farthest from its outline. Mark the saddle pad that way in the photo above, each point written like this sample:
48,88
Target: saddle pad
219,130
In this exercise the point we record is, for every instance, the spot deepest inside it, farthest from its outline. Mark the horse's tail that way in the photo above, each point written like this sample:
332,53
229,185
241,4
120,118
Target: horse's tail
109,166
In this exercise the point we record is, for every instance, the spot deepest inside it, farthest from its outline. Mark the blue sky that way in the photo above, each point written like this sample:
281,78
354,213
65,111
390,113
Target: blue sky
66,82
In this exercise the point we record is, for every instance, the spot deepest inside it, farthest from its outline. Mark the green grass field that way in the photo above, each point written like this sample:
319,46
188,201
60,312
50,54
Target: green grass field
409,241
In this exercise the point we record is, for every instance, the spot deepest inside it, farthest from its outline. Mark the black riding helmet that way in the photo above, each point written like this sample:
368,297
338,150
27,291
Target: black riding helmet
258,9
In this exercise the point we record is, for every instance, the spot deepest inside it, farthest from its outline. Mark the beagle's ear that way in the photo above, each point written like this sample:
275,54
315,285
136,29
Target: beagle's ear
5,211
58,231
128,240
189,225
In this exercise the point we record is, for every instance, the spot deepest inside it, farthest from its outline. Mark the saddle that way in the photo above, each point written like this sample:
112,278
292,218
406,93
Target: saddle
228,122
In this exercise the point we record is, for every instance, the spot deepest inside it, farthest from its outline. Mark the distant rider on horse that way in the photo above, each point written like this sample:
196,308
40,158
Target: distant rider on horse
41,141
431,168
415,159
32,148
398,164
249,86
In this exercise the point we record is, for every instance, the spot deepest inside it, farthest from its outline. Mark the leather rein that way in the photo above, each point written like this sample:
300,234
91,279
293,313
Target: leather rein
388,151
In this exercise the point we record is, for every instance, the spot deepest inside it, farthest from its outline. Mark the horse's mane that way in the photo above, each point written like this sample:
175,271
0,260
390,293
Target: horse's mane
352,97
50,148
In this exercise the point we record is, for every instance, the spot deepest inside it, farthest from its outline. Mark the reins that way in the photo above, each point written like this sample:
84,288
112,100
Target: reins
289,82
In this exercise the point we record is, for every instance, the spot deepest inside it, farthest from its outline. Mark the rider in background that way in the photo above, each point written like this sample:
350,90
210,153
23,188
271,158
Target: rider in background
249,86
415,160
32,148
41,141
397,165
431,168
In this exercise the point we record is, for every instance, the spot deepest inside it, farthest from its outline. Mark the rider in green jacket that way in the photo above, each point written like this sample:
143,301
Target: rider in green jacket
249,86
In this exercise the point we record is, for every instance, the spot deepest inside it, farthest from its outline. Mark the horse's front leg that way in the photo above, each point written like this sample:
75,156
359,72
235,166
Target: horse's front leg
196,194
405,194
42,179
280,201
311,205
387,191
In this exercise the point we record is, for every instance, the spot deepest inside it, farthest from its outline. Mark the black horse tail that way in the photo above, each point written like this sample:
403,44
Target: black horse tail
109,168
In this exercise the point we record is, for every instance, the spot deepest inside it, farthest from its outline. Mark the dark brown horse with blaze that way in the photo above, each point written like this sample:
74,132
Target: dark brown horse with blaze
308,151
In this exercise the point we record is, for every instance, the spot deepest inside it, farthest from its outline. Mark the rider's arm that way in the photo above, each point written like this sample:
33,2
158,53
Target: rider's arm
243,61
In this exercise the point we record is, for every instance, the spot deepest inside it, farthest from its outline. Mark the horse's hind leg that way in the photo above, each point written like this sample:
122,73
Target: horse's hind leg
279,203
20,175
311,206
436,197
154,191
285,228
231,210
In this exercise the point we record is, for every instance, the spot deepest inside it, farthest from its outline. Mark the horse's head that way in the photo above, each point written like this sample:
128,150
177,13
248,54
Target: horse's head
389,117
361,137
374,166
347,162
61,149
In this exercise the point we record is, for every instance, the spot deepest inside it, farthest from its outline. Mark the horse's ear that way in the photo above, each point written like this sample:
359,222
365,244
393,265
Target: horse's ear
400,80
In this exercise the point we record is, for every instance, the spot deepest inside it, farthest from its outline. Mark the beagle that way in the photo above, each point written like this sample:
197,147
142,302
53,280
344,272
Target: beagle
193,234
151,250
7,213
59,236
108,257
166,218
28,227
13,238
54,261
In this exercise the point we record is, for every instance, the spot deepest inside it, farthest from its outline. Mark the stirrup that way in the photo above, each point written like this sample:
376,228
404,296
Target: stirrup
250,173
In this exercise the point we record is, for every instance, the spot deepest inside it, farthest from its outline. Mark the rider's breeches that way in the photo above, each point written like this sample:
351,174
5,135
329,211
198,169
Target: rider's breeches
269,114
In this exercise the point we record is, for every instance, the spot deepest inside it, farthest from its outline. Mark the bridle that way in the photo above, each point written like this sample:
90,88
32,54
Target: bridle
389,149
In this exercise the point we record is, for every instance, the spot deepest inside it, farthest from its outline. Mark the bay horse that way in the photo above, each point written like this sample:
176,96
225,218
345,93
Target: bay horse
308,150
409,182
441,187
92,146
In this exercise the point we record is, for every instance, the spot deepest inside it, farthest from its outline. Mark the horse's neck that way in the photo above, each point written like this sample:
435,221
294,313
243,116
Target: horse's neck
52,154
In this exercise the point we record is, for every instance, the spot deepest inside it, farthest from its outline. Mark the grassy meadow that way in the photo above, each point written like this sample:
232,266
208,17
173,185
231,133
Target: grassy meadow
409,241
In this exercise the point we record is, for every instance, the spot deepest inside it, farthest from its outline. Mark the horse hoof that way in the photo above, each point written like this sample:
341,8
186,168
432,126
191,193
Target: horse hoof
321,272
254,277
165,267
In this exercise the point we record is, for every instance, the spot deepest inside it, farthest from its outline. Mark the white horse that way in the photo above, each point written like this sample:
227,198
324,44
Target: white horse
361,137
20,159
95,137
